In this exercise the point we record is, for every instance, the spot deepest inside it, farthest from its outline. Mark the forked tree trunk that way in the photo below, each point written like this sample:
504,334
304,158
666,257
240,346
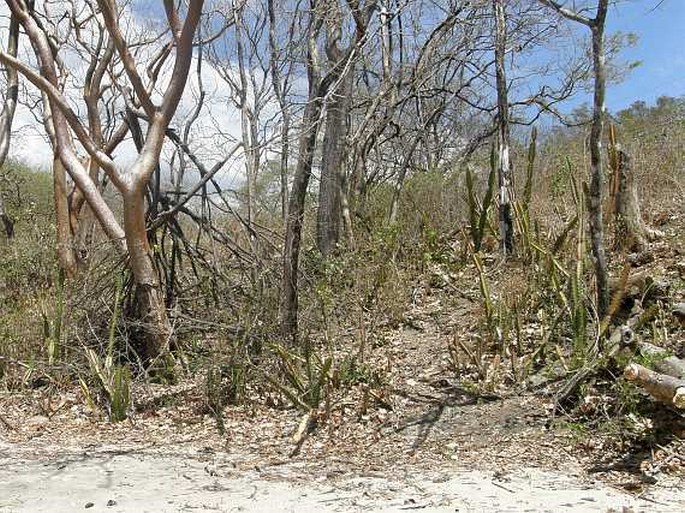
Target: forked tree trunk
505,170
149,299
7,116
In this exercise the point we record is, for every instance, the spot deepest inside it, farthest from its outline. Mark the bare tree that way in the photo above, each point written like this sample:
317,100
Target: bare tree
131,183
7,115
505,171
446,77
280,80
333,174
367,125
319,85
97,49
246,71
596,25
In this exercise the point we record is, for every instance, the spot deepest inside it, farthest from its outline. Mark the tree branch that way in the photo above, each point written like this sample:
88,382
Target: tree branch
111,17
568,13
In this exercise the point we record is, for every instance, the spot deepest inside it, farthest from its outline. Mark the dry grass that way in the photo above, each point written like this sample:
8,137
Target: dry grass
395,327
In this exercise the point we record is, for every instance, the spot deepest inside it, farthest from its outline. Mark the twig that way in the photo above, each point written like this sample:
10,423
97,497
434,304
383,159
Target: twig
502,487
307,425
6,423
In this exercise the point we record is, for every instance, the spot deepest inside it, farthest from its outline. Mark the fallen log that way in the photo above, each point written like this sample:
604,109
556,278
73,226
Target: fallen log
660,361
662,387
621,337
658,357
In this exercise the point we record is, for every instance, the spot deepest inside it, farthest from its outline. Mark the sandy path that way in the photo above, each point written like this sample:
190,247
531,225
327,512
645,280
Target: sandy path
141,482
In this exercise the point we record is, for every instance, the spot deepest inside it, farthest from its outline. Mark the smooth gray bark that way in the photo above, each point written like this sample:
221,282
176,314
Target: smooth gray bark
505,171
595,189
7,116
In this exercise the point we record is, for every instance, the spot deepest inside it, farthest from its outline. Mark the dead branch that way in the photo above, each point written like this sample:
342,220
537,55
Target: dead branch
662,387
6,423
669,365
306,426
621,337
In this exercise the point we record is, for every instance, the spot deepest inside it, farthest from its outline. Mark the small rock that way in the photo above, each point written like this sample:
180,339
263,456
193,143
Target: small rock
640,259
89,505
679,269
38,420
678,311
111,502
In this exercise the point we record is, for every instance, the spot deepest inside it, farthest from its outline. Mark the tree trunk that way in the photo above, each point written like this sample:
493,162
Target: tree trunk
7,222
279,86
329,217
594,193
505,170
82,219
311,121
399,183
149,304
289,301
596,167
406,161
149,308
7,116
354,191
64,246
248,127
285,150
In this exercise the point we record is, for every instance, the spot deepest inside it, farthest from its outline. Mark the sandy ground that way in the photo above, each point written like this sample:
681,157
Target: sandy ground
139,482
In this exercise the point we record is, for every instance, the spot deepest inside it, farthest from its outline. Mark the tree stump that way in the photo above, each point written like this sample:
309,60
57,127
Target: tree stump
631,233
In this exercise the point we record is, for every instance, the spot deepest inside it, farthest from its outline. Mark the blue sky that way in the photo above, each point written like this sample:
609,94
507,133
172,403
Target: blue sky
661,48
